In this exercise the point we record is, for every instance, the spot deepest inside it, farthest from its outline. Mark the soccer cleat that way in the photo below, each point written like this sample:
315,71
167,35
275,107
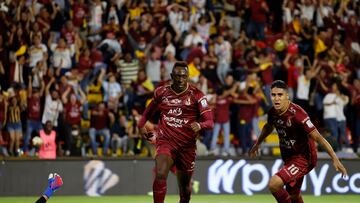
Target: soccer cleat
54,183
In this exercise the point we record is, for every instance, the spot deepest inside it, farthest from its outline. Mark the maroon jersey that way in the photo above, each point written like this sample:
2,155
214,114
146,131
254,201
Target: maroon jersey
73,113
293,127
80,11
177,112
222,109
34,109
99,121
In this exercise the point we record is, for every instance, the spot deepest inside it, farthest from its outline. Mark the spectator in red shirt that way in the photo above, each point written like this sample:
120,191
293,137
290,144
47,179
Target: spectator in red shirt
246,102
99,126
72,109
256,26
33,112
80,12
223,100
68,33
85,62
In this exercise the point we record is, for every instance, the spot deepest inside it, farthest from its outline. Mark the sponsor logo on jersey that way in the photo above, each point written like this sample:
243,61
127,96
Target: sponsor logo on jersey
175,101
165,100
171,102
175,122
175,112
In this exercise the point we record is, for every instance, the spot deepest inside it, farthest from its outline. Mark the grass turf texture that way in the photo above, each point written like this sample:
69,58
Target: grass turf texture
174,199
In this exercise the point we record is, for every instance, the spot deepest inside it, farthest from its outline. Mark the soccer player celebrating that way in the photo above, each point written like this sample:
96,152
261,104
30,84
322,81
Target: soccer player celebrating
184,111
297,135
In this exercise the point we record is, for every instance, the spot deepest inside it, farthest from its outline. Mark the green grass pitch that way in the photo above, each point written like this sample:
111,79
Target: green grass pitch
174,199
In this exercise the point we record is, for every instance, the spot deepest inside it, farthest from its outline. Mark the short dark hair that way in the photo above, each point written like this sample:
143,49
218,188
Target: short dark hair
181,64
279,84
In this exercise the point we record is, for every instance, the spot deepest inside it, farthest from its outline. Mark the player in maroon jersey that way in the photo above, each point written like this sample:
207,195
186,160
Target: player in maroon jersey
297,135
184,111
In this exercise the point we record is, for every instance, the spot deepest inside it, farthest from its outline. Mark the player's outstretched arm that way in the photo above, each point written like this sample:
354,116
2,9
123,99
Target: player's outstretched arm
315,135
54,183
267,129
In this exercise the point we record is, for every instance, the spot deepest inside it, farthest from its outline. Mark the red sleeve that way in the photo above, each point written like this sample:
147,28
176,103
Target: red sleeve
150,110
206,115
302,119
148,113
207,120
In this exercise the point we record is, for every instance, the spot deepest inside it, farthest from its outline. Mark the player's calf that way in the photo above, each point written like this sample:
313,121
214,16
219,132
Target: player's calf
185,194
296,198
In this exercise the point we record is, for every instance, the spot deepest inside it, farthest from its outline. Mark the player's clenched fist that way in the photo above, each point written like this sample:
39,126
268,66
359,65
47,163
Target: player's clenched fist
195,126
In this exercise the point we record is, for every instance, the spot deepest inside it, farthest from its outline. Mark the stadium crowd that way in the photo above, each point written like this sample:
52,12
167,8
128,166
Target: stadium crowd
87,68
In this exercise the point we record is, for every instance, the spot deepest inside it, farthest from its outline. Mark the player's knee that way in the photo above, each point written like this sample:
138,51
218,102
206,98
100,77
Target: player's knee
275,184
161,174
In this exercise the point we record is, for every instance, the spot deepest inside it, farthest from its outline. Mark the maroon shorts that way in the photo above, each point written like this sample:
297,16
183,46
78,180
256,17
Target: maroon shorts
184,158
293,172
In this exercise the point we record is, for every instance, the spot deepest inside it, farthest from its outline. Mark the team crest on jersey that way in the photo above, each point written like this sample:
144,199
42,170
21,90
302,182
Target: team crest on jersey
292,110
172,102
288,123
187,101
165,100
280,122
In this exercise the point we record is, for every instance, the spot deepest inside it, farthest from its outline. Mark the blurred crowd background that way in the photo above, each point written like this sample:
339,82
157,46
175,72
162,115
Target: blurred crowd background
79,73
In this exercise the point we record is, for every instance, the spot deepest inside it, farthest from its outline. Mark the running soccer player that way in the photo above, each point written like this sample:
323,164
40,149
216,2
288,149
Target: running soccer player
297,135
184,111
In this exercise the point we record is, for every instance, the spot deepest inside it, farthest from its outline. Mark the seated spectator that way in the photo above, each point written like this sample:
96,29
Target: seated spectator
99,121
135,143
119,137
48,148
